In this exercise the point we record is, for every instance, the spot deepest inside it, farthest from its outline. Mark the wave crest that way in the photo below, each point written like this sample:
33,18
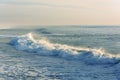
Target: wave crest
90,56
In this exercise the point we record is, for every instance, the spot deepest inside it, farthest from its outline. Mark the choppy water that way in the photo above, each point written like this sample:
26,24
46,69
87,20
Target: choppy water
60,53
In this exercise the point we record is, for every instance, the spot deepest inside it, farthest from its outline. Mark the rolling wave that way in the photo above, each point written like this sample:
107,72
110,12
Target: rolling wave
90,56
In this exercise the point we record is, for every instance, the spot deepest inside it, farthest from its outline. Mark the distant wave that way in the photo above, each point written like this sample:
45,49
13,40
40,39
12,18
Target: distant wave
43,31
90,56
7,36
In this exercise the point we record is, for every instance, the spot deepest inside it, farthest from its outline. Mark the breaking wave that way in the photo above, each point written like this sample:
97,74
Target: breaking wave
90,56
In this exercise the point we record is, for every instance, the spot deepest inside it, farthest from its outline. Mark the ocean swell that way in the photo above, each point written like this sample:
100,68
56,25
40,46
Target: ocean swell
90,56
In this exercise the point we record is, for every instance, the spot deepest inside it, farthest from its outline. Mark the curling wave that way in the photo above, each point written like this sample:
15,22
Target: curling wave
90,56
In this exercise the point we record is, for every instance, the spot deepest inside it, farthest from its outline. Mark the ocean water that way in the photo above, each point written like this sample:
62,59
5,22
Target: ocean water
60,53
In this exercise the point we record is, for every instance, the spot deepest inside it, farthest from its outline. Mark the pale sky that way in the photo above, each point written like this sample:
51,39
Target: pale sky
59,12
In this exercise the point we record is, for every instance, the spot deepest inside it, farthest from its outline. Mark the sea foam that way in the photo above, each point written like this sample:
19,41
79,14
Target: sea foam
28,44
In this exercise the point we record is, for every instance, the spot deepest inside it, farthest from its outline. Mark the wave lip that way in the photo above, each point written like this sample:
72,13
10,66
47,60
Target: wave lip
90,56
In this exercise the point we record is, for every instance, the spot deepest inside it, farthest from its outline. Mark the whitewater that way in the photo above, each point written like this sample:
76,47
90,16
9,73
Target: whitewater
92,56
60,53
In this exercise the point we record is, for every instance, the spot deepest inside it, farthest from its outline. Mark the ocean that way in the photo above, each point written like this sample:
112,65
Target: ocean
60,53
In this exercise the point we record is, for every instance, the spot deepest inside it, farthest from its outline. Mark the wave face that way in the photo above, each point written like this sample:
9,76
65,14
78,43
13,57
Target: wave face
90,56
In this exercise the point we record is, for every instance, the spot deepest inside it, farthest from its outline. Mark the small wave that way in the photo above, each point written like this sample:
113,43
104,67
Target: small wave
43,31
90,56
8,36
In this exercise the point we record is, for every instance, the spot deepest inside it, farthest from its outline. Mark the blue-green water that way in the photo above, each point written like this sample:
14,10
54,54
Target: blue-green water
23,62
93,36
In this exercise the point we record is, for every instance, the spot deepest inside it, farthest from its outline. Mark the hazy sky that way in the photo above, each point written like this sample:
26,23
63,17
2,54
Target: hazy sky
59,12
